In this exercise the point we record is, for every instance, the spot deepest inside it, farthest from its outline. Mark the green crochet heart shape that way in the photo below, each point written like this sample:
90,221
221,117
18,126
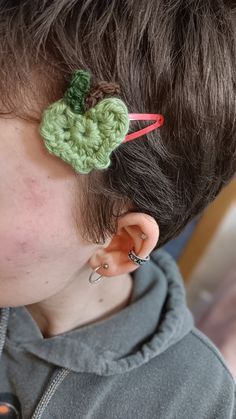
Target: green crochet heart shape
85,141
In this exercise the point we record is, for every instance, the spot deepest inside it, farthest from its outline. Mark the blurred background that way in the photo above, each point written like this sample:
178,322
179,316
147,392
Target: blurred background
206,255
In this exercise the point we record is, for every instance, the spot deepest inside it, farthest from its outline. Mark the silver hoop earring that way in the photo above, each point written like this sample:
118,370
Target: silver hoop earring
136,259
94,281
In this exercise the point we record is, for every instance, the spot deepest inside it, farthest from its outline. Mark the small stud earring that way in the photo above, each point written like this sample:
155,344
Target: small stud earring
143,236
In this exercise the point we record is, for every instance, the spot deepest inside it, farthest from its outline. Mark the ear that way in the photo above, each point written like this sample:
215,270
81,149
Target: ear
130,228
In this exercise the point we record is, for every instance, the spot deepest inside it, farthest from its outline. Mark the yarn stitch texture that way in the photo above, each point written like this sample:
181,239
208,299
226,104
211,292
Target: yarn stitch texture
84,140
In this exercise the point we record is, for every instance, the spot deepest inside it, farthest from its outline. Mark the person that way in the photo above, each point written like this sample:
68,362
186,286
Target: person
94,322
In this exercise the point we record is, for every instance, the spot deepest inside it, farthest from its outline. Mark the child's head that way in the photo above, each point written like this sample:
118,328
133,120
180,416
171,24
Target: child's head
176,58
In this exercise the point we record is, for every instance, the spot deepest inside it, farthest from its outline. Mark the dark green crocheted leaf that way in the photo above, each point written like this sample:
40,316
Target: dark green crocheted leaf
76,93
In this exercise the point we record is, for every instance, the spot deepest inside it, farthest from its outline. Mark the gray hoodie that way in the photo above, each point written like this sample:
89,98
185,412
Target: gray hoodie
146,361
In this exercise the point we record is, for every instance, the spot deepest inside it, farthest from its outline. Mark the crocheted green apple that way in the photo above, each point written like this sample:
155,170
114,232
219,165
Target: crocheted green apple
85,140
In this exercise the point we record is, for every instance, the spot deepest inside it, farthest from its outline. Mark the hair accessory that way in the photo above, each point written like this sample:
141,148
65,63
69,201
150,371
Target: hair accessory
137,259
86,139
94,281
144,117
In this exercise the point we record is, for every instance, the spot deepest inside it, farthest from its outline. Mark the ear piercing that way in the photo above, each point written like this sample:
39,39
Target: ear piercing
131,255
142,236
94,281
137,259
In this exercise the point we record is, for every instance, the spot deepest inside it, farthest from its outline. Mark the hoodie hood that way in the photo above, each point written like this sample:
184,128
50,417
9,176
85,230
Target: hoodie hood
156,318
93,371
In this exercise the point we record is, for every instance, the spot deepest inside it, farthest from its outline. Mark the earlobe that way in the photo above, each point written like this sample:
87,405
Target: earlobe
137,235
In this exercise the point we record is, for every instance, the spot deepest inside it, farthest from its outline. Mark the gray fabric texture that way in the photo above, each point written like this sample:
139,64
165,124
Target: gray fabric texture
146,361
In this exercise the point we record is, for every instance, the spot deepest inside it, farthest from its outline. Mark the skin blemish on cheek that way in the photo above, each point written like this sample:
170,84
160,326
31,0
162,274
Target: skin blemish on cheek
43,257
35,194
24,246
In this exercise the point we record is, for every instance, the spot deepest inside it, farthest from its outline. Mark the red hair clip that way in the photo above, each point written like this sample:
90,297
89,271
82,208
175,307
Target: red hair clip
144,117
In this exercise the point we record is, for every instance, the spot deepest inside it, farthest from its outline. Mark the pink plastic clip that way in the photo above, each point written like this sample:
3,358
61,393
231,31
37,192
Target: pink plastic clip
144,117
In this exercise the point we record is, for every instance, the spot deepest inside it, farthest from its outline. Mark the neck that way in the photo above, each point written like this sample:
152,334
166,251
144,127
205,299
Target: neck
81,303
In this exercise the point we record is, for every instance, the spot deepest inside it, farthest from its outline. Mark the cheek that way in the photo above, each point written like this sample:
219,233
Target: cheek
28,227
26,233
17,261
21,248
38,242
25,262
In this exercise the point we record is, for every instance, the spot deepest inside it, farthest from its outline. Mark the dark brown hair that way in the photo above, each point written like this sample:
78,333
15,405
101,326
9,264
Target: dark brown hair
175,57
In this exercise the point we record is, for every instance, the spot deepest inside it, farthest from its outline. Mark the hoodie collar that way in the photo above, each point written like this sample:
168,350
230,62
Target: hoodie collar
156,318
